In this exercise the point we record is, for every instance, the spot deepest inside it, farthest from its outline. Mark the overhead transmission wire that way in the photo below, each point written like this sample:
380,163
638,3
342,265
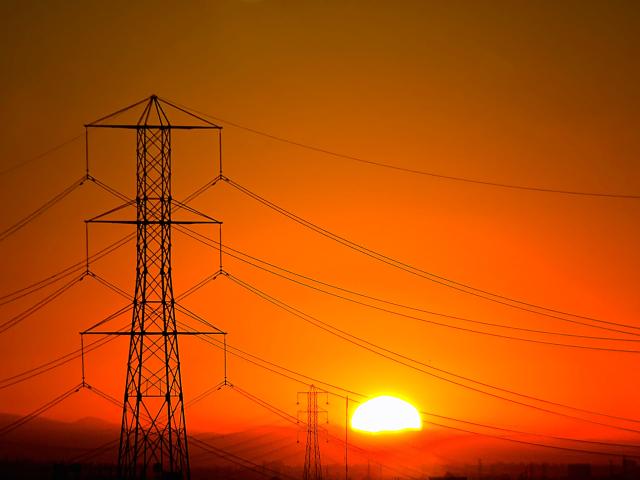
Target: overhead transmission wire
65,272
317,381
33,288
411,170
263,446
96,344
521,432
116,402
559,312
94,452
230,252
536,444
235,351
449,372
408,307
525,396
404,359
292,419
57,198
62,360
258,441
206,186
39,411
109,189
53,364
48,299
73,355
40,210
97,450
469,330
238,460
15,320
83,457
609,444
110,285
484,384
39,285
81,265
288,417
441,280
51,150
270,366
60,275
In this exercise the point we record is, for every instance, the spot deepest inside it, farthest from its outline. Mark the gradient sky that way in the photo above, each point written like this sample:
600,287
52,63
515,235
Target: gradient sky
529,93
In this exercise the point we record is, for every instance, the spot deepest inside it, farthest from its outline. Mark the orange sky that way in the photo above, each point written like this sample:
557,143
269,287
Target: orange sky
532,94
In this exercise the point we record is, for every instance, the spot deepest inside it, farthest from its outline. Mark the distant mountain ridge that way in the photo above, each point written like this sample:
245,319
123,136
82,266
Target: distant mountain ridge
50,440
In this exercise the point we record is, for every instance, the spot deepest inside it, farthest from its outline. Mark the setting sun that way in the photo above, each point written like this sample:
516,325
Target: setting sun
386,414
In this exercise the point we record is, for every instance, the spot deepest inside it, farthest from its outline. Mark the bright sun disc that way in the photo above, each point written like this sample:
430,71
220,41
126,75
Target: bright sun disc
386,414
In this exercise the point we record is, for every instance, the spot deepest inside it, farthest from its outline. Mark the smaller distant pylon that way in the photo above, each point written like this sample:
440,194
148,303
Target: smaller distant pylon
312,462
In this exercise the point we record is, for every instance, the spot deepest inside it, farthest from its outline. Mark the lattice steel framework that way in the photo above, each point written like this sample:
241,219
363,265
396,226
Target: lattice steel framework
153,437
153,426
312,464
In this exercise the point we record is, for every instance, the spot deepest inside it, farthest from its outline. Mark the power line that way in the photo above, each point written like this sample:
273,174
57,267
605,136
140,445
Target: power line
290,418
45,301
238,460
65,272
214,343
529,397
39,411
57,198
535,444
441,324
224,453
39,156
451,373
40,210
64,359
203,238
93,452
461,287
403,359
214,244
111,286
417,171
26,291
271,366
13,321
468,330
57,400
294,420
520,432
109,189
52,364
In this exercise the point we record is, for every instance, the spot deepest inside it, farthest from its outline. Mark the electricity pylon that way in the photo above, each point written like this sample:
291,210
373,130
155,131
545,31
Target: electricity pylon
153,437
312,463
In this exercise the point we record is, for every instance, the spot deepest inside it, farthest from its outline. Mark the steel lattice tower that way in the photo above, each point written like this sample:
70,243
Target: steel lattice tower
153,437
153,427
312,463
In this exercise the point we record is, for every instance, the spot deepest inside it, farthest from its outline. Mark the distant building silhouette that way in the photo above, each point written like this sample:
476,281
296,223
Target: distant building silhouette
448,476
578,471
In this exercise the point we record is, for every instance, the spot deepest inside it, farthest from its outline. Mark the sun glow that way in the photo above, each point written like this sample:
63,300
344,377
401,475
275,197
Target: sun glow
386,414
